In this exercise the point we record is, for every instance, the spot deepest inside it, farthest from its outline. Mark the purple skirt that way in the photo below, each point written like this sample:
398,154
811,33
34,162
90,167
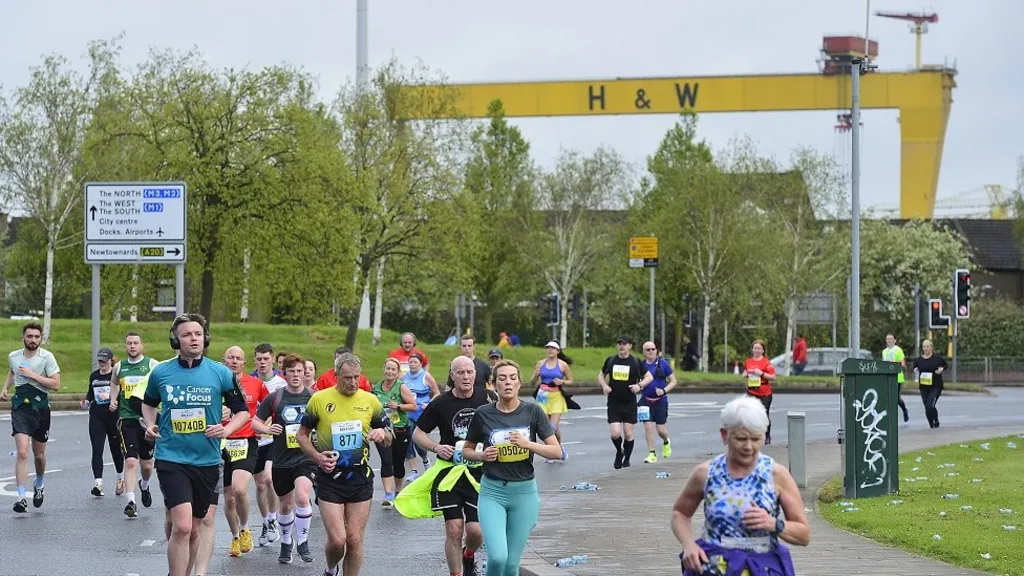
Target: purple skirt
775,563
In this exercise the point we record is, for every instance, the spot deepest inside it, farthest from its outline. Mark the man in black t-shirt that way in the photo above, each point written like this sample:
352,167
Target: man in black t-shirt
621,378
451,413
483,369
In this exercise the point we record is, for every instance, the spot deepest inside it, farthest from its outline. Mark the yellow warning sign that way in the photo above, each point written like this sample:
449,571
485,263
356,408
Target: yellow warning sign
645,247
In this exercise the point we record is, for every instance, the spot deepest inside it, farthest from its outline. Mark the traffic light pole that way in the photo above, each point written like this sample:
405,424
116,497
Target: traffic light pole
956,353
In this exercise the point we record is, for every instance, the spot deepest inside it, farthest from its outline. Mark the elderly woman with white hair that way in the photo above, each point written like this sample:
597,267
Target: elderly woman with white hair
750,504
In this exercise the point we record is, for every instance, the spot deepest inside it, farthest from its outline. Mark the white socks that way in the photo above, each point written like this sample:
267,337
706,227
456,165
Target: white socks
286,521
303,517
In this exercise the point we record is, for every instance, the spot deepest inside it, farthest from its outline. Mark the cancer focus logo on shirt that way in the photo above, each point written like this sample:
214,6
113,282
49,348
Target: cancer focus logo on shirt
183,395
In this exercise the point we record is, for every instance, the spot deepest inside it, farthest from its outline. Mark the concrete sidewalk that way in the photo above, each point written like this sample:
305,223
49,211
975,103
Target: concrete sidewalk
624,527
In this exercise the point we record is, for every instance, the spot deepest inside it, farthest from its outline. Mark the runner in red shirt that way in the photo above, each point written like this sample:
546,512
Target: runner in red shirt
759,375
329,379
407,348
240,454
799,355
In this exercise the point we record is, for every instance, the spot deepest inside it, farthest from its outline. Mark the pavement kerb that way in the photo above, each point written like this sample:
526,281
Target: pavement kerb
532,564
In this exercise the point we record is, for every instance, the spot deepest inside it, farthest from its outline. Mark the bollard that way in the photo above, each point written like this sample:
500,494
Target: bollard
797,447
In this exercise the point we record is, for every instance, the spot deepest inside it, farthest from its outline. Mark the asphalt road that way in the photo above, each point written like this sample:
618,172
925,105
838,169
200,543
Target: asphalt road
76,533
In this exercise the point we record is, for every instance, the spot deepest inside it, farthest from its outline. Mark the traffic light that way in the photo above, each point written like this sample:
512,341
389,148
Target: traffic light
935,317
962,293
554,309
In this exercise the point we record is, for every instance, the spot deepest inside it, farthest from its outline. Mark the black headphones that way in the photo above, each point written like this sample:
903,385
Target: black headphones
175,343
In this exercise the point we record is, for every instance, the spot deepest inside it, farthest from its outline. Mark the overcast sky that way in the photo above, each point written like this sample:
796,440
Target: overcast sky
521,40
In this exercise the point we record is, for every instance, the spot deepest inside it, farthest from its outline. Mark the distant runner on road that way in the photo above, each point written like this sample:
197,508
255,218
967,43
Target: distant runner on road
34,373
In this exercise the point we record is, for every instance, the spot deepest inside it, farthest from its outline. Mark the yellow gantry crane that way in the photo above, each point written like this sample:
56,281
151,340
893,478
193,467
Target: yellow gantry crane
919,22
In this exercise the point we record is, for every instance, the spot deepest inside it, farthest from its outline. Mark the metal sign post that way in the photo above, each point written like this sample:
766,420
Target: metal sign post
643,253
135,223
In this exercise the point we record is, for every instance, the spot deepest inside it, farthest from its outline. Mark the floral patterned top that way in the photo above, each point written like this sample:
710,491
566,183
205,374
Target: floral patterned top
725,499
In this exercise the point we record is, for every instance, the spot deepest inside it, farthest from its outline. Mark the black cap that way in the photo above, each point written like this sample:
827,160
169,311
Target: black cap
625,338
495,353
105,354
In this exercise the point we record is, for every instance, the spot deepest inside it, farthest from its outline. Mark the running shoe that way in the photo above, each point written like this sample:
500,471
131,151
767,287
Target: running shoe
37,496
651,458
468,564
411,476
120,487
245,541
388,501
21,506
303,550
666,450
272,532
286,554
97,490
625,462
131,510
618,460
263,536
147,496
565,455
236,548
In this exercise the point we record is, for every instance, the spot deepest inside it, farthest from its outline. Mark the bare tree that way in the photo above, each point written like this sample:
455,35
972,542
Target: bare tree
43,129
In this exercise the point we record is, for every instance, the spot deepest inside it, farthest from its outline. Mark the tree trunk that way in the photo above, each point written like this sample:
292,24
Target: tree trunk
48,293
563,336
244,312
489,323
362,279
677,346
206,283
790,328
705,332
378,303
133,310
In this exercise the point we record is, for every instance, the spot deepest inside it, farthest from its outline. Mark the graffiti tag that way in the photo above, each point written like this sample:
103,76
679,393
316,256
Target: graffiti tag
870,421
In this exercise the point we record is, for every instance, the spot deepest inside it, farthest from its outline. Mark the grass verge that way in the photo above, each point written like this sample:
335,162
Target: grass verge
973,529
70,342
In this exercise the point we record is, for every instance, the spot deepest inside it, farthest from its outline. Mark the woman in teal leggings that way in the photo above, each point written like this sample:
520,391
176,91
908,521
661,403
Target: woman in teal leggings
508,504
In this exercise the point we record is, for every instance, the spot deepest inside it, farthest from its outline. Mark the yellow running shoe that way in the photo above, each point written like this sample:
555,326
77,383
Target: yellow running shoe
236,548
245,541
651,458
666,450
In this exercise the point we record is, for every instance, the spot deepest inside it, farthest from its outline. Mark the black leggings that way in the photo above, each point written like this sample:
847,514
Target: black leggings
392,458
767,402
104,428
930,397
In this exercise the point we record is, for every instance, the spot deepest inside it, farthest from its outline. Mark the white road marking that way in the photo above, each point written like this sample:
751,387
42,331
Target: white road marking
571,443
10,480
148,542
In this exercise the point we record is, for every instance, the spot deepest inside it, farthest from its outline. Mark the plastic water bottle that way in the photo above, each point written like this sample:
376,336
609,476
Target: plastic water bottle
662,475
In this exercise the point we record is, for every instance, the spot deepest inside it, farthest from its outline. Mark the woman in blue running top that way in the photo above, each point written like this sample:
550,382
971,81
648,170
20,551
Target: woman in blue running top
423,386
506,434
751,504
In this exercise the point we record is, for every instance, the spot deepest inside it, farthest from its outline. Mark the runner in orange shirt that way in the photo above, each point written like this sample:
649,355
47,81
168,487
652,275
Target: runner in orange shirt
239,454
759,374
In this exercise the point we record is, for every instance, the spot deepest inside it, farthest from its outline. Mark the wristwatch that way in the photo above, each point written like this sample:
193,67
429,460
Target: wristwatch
780,525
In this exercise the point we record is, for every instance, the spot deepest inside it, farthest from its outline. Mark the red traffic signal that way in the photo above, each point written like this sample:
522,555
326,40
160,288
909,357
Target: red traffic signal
936,306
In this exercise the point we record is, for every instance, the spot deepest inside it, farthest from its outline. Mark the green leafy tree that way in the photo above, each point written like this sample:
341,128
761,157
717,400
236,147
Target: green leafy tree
406,173
894,258
501,182
232,136
656,213
810,251
43,127
578,199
